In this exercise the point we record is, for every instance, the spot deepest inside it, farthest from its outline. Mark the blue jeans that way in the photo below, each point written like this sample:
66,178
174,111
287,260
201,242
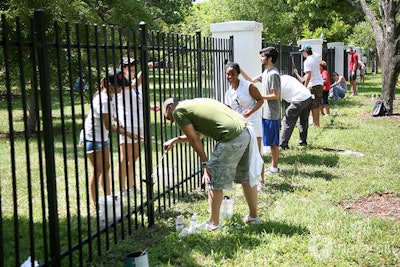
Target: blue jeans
338,92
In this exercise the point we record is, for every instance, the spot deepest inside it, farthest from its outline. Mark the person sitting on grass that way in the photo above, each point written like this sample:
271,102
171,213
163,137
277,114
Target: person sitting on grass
339,87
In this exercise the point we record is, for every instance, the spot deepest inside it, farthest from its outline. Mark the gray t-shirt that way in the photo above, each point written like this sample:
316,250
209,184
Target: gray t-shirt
271,80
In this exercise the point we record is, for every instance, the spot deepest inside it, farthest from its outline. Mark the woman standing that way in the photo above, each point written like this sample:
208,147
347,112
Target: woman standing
130,114
244,98
98,123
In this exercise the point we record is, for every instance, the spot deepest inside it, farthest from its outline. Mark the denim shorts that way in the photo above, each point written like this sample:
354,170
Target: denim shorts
96,146
229,162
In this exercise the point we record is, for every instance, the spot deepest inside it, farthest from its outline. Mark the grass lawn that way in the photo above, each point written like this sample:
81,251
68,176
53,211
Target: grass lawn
307,210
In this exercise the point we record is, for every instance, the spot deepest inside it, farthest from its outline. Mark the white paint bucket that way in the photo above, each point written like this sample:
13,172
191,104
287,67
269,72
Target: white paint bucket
226,210
165,177
109,203
137,259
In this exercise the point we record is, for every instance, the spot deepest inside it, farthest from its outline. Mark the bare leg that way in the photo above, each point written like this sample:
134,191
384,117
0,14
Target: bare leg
127,158
275,155
315,115
251,196
132,158
105,178
353,87
214,201
122,166
97,173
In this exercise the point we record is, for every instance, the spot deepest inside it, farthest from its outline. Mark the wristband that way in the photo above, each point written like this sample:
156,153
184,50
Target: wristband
204,164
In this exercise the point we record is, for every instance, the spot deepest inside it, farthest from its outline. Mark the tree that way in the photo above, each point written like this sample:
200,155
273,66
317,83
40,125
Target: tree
124,13
283,21
384,17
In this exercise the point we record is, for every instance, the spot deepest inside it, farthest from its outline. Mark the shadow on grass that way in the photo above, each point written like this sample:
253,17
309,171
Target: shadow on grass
327,160
166,248
34,240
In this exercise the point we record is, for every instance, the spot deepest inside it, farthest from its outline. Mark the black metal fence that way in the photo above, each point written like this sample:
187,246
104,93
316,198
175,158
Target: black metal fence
49,74
290,58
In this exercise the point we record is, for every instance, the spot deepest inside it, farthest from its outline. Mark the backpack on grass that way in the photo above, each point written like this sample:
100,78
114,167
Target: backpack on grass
379,109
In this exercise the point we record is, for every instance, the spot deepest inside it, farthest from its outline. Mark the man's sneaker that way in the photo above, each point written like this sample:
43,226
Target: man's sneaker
209,226
283,147
251,220
271,170
302,143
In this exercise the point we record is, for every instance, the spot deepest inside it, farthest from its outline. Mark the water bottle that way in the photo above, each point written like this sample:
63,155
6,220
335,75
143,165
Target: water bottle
179,224
193,223
226,210
229,206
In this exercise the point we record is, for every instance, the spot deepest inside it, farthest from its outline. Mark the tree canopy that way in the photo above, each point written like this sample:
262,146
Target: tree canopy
283,21
125,13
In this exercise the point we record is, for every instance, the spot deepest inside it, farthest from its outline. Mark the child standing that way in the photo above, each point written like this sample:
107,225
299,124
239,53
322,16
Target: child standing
326,87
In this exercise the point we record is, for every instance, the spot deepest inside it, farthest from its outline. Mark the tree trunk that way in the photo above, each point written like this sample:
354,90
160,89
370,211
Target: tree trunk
390,70
387,36
389,79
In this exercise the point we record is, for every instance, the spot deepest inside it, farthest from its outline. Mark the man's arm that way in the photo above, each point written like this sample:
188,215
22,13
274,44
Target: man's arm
307,78
301,79
194,138
274,96
247,77
191,136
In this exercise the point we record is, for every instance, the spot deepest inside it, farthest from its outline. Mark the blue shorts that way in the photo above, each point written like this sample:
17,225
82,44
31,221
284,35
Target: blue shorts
96,146
270,132
230,162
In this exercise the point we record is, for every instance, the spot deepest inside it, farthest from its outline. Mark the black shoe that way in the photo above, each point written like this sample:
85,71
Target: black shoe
283,147
302,144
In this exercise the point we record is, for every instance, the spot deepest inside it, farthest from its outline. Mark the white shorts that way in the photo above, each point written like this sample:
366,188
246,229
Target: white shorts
135,131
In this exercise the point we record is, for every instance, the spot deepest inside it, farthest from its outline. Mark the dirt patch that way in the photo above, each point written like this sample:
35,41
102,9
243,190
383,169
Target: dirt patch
379,205
394,117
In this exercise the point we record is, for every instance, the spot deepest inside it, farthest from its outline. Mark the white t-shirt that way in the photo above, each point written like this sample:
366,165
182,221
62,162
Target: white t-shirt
312,64
101,105
240,100
292,90
130,107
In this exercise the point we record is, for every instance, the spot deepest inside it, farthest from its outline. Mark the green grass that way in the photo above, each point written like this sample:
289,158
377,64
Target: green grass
303,221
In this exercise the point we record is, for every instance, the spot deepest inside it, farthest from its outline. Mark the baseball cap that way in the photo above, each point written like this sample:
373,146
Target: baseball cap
305,47
127,61
349,49
168,102
116,76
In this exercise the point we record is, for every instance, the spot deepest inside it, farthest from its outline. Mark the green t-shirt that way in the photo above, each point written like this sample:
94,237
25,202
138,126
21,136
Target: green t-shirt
210,117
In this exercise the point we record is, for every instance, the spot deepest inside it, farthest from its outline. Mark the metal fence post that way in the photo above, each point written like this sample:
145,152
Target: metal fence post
199,73
147,122
231,48
48,133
